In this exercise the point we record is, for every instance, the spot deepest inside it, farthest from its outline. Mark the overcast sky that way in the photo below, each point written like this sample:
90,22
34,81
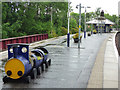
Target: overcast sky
109,6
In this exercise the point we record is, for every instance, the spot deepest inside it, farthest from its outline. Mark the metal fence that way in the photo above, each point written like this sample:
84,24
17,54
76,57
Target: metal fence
24,39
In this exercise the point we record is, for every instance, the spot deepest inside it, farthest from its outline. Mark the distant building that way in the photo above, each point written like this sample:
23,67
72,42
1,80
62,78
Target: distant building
101,24
105,28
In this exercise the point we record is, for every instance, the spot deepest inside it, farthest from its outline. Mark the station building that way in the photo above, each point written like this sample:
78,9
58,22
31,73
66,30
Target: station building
105,25
101,24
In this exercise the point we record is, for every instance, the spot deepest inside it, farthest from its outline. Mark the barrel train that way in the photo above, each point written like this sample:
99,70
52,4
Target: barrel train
23,64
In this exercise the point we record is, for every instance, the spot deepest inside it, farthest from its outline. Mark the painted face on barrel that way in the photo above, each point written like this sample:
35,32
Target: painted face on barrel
14,68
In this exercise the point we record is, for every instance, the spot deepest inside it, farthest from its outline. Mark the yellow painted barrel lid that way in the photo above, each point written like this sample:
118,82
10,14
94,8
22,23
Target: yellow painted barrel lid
14,65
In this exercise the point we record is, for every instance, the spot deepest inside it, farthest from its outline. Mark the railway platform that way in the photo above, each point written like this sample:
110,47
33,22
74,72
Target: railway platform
105,70
94,65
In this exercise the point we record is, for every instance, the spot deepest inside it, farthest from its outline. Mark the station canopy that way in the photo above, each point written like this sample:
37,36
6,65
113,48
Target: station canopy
95,21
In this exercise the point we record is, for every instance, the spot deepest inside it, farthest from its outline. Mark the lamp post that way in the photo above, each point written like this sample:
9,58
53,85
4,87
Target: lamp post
85,21
79,23
51,21
118,22
68,35
91,25
97,13
102,24
101,18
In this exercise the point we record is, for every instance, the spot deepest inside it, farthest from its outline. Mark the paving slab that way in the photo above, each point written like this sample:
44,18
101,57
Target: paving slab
110,84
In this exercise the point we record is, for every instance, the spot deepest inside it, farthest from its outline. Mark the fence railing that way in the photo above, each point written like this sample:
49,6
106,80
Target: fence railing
24,39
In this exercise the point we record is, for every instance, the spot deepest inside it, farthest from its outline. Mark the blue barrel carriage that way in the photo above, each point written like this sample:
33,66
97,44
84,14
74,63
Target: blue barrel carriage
24,64
46,59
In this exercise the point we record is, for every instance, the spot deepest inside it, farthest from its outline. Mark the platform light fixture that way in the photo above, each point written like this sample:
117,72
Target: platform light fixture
85,20
79,22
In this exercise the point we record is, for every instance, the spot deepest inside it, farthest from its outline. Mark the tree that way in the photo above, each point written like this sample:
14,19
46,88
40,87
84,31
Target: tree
97,12
32,18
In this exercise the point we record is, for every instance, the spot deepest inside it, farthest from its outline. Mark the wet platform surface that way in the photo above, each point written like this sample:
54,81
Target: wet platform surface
70,68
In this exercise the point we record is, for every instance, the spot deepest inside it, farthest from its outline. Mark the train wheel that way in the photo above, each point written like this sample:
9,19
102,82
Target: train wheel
5,79
49,62
28,79
34,73
46,64
39,70
43,67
